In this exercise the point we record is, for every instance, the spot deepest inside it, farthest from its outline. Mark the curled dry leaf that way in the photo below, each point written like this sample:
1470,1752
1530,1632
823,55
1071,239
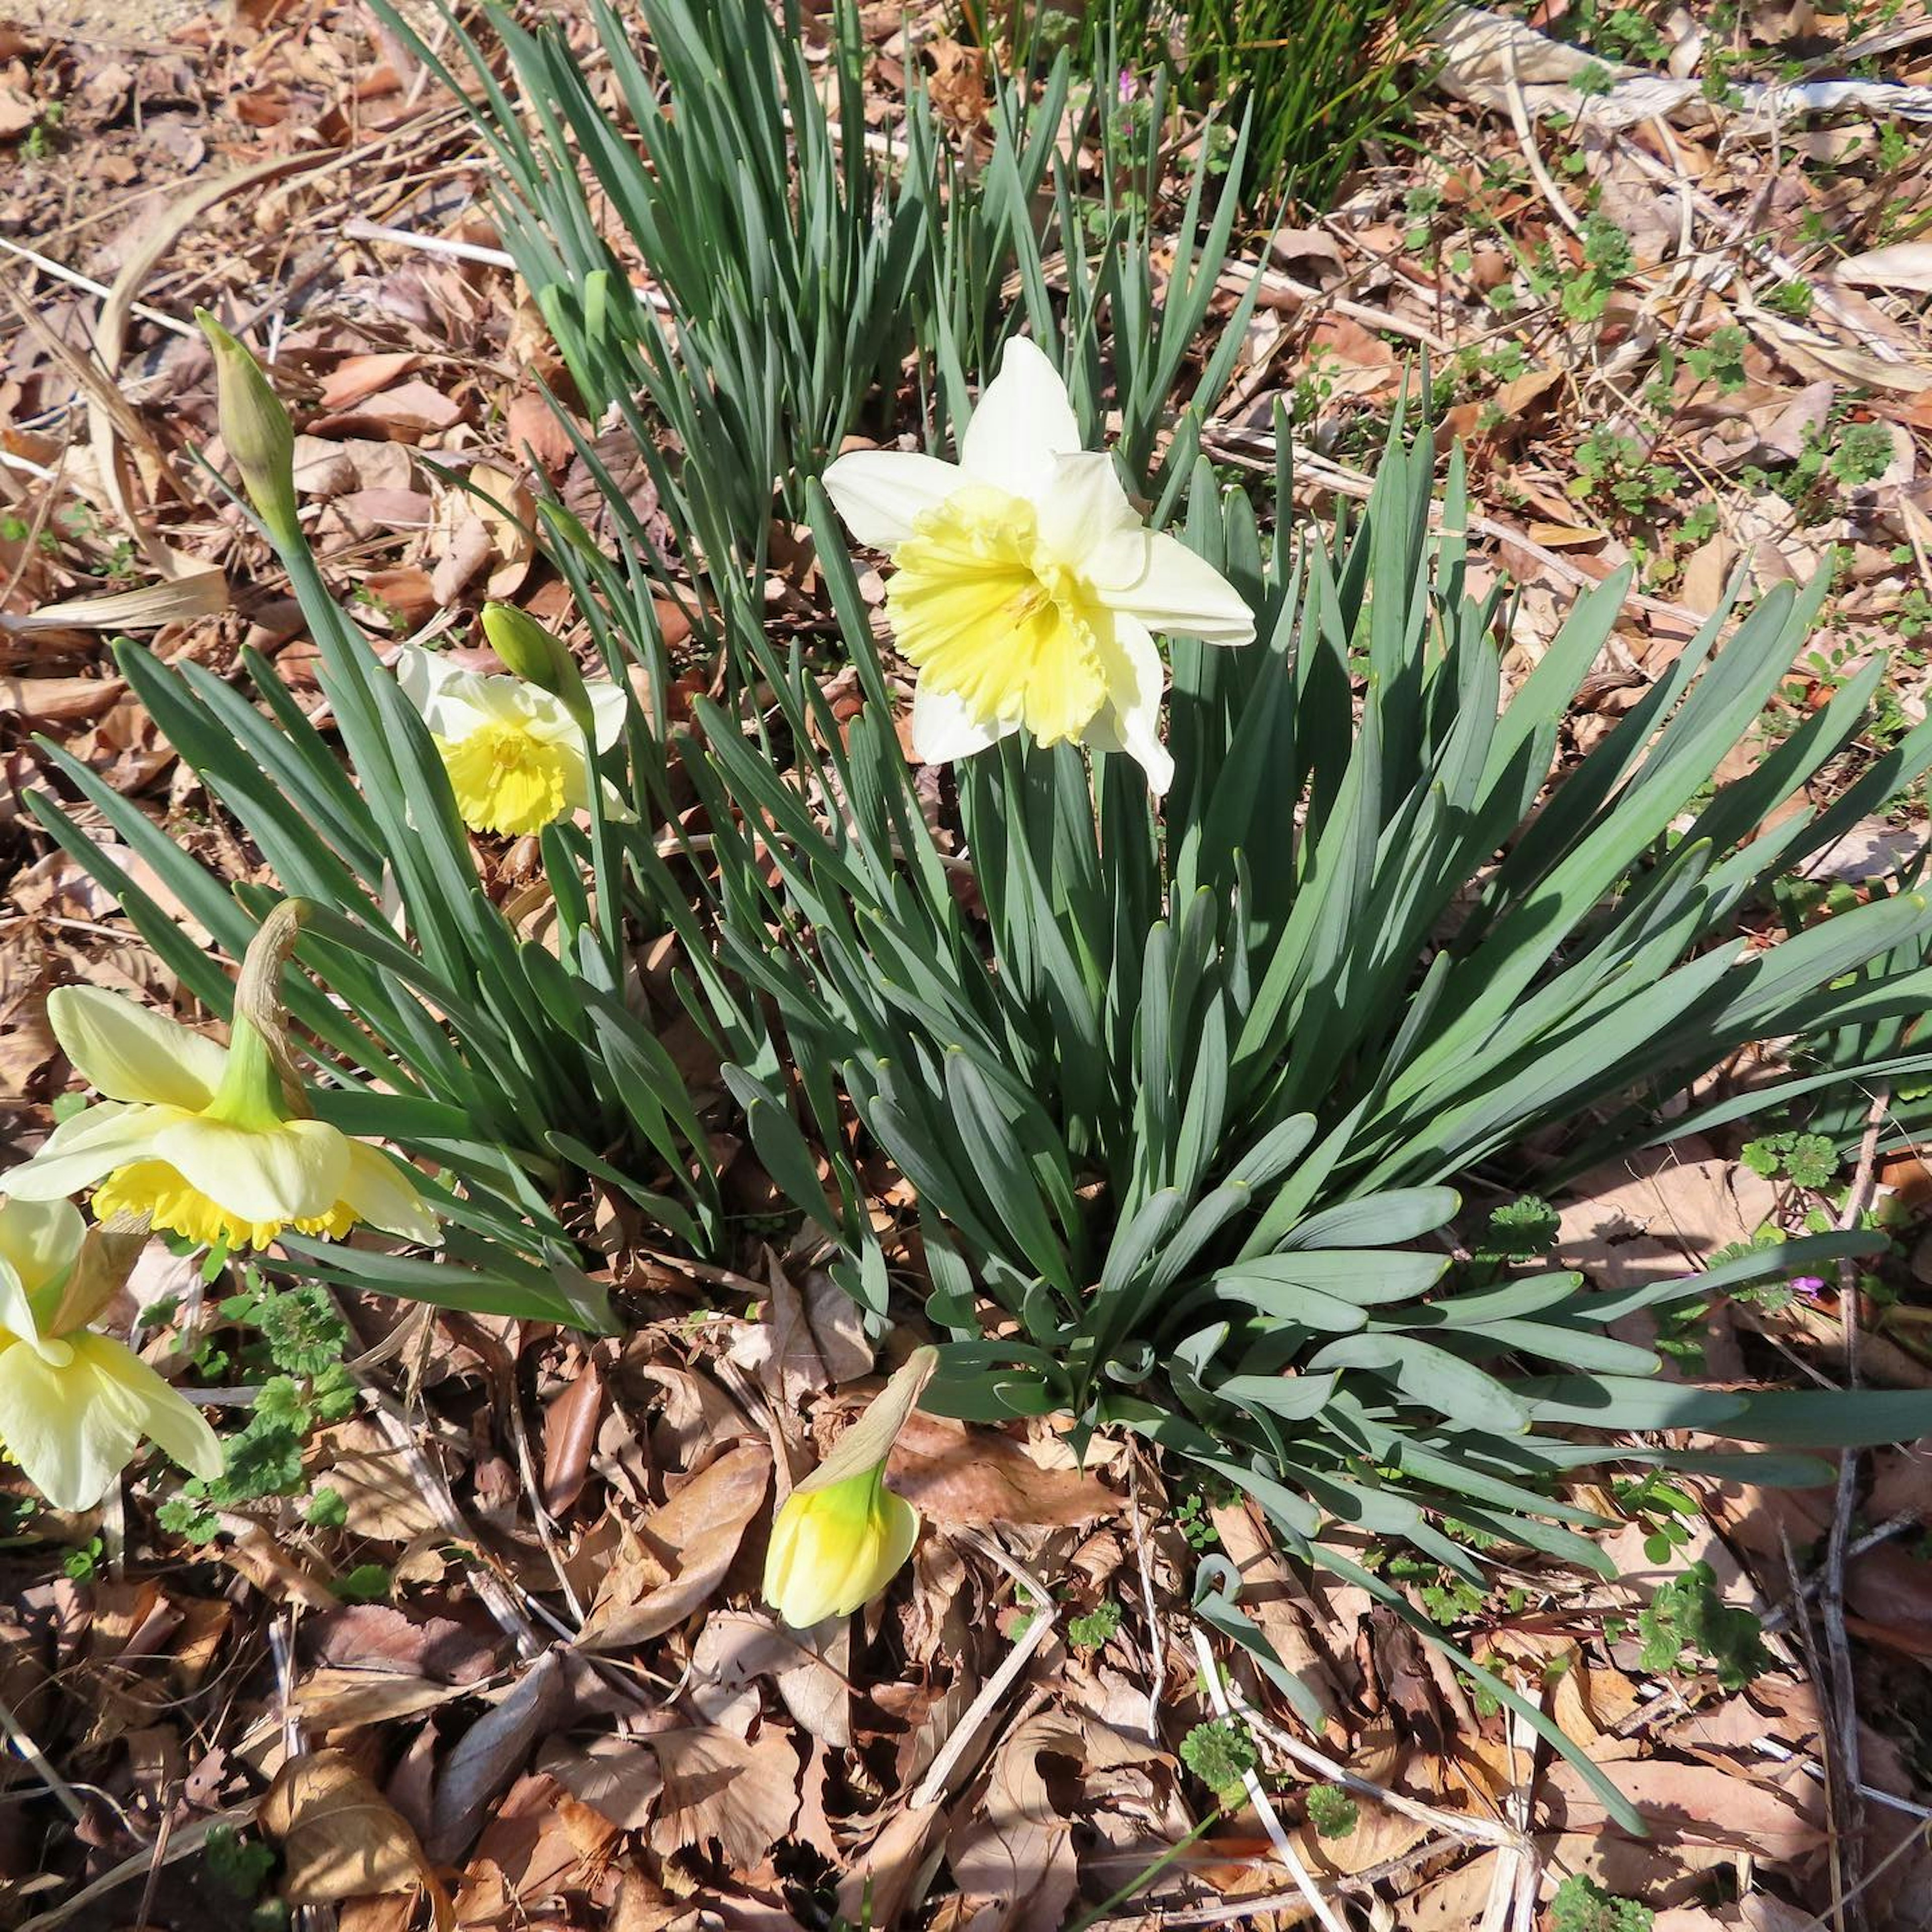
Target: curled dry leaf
960,1475
1013,1854
674,1565
340,1838
492,1751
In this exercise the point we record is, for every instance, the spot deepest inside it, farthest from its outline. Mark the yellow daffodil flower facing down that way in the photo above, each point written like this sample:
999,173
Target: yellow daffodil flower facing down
75,1406
841,1535
1027,589
514,754
206,1140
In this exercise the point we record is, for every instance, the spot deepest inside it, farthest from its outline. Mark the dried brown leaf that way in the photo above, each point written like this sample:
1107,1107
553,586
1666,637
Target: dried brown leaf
340,1838
957,1475
618,1778
717,1786
680,1556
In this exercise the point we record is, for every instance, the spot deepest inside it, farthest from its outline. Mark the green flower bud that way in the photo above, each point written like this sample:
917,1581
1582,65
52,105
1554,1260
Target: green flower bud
256,430
536,656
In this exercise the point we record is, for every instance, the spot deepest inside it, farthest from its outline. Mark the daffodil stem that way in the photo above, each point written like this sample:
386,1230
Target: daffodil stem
258,1010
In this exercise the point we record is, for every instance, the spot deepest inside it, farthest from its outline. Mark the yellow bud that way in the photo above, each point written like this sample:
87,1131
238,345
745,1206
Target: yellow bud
256,430
836,1548
536,656
841,1534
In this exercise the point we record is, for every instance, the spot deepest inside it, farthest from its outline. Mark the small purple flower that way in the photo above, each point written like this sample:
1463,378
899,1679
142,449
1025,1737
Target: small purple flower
1809,1285
1129,86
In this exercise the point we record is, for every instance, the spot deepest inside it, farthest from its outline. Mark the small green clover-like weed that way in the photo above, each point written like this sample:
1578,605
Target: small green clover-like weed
1720,359
84,1560
1519,1231
1806,1160
1662,1509
1331,1811
1582,1905
300,1334
1446,1598
1584,294
297,1340
1220,1753
1095,1629
327,1510
1195,1522
237,1865
366,1583
1864,454
1687,1615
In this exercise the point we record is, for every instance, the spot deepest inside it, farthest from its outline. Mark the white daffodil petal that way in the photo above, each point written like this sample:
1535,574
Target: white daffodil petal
16,1312
1177,591
379,1190
78,1152
142,1401
609,705
131,1052
1130,722
294,1173
880,493
943,728
39,1239
445,695
1025,422
1086,521
71,1448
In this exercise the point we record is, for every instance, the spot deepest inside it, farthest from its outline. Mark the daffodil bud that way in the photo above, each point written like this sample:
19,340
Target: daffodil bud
536,656
841,1535
255,429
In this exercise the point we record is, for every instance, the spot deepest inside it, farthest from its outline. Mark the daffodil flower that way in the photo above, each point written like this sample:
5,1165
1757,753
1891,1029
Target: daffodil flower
841,1535
75,1406
515,755
206,1140
1026,588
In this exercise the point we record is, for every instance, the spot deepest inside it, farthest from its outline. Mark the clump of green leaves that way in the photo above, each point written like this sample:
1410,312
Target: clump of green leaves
1333,1812
1221,1753
1688,1616
295,1335
1095,1629
1805,1160
238,1866
1664,1510
1582,1905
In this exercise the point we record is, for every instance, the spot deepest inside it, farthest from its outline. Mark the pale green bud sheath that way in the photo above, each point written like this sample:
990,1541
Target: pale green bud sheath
841,1535
538,657
256,430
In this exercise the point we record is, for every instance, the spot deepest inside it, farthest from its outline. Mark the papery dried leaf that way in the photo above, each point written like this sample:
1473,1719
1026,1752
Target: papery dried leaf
618,1777
492,1752
340,1838
1011,1855
959,1474
682,1553
736,1647
717,1786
